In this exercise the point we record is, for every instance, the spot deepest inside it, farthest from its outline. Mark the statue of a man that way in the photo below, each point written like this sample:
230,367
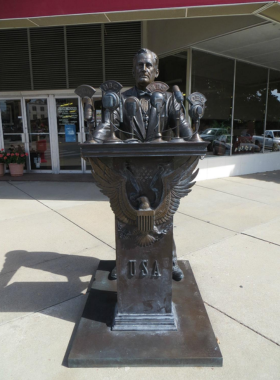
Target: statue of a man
145,71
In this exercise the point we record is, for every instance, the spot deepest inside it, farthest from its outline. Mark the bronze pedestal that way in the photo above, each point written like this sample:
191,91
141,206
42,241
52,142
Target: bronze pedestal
144,318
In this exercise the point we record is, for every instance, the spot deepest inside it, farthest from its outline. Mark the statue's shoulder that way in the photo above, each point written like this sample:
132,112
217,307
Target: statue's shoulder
130,92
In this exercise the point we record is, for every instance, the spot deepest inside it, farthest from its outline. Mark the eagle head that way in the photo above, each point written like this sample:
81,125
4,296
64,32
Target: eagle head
144,203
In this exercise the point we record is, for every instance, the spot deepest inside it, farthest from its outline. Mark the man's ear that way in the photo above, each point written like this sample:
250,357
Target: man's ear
157,73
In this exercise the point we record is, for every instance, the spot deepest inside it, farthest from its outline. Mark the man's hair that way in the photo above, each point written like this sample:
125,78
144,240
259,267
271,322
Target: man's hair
146,51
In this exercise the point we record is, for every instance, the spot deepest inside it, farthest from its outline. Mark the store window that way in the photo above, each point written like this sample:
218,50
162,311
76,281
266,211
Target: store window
173,71
68,129
272,133
212,75
39,134
249,110
11,117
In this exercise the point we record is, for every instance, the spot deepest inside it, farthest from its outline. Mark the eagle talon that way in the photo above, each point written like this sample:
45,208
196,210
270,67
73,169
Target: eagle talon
113,274
177,273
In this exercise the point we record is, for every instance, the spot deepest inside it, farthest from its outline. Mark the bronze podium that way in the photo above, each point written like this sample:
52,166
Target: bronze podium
144,318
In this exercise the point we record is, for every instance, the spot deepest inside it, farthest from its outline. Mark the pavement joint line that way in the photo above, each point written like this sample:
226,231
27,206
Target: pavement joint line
238,196
241,323
266,241
206,246
245,184
75,224
228,229
40,310
207,221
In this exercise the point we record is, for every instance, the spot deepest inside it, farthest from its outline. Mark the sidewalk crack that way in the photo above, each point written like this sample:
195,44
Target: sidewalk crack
241,323
75,224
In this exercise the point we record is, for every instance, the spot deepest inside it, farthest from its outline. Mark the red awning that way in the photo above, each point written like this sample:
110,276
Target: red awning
13,9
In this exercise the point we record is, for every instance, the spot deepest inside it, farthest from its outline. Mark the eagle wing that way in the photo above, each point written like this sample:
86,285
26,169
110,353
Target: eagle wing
113,185
176,185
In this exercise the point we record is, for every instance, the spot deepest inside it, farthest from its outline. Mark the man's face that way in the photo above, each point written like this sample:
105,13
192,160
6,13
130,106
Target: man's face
145,70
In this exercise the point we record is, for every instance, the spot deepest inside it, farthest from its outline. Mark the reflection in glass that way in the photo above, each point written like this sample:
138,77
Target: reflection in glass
97,115
213,77
249,110
221,146
68,127
11,117
38,132
272,133
173,70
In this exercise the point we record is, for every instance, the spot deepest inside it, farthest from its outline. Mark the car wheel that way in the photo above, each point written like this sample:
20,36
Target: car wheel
214,151
275,147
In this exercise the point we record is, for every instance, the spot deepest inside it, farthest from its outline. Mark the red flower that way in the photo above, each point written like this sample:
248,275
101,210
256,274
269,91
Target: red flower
5,158
22,155
1,155
12,154
2,150
8,154
17,154
26,154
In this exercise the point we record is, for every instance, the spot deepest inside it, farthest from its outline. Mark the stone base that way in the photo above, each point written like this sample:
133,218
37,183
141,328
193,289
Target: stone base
145,322
94,344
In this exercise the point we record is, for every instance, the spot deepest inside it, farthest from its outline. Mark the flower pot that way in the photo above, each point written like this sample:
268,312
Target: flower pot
2,170
16,170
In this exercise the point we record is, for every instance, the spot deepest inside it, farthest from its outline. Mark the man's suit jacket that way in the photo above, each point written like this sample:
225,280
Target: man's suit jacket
140,132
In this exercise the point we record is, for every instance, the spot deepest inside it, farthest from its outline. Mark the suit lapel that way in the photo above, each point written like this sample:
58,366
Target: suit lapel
139,127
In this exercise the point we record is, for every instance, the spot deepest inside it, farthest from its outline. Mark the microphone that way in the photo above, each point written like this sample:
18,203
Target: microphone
178,95
131,106
110,100
157,100
88,110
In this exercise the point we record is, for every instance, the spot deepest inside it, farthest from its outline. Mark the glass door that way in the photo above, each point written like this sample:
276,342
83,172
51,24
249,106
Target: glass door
69,133
12,125
37,117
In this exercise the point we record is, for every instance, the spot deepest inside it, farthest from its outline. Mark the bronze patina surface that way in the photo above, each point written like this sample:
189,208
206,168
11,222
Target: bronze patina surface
96,345
146,310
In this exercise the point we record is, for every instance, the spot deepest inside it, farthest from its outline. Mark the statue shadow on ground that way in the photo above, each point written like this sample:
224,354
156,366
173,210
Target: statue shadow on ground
42,281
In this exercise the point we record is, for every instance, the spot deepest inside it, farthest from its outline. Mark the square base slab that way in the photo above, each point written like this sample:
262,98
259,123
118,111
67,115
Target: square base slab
96,345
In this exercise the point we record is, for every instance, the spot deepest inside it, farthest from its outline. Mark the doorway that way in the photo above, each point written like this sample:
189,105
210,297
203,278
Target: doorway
48,127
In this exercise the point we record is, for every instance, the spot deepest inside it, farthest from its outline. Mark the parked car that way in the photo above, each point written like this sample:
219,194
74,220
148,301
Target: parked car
221,146
211,134
271,140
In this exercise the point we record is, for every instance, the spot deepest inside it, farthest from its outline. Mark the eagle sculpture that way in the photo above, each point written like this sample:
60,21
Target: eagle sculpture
146,222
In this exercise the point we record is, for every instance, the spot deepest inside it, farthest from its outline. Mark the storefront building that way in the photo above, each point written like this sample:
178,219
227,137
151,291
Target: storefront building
230,53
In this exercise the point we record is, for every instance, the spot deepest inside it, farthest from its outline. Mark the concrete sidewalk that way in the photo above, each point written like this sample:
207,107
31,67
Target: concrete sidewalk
53,233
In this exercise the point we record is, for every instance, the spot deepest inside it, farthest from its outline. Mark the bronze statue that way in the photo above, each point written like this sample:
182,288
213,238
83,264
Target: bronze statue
145,71
142,125
143,157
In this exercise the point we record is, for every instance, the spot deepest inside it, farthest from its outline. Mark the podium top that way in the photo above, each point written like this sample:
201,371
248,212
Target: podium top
188,148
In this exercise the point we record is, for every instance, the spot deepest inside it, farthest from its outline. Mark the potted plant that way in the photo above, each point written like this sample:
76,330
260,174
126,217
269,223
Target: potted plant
3,162
16,160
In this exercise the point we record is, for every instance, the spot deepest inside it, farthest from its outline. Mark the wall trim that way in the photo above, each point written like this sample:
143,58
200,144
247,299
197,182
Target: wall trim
230,166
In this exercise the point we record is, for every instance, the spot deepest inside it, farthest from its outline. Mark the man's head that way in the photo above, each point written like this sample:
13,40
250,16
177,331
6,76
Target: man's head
145,68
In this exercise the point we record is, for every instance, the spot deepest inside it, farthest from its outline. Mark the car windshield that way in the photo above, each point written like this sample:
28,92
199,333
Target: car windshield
209,131
276,133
